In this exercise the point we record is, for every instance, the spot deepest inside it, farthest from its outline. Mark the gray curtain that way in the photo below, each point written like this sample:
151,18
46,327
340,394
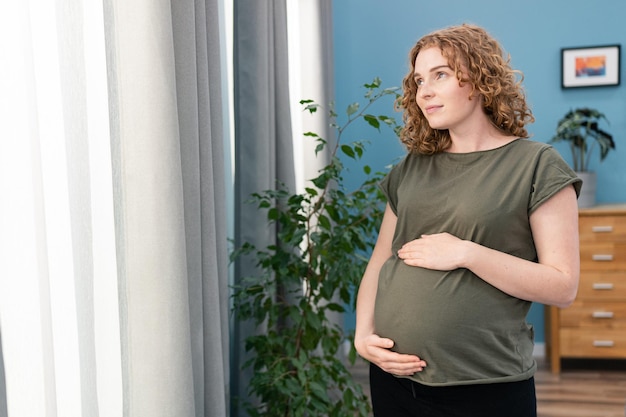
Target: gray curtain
263,138
168,135
199,98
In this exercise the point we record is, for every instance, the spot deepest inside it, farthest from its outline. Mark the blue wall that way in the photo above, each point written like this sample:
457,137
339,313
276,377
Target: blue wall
372,38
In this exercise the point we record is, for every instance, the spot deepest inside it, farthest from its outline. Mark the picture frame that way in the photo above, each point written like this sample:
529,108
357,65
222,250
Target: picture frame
591,66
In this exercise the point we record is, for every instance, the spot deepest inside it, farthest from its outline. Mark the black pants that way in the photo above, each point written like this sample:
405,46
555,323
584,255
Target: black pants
401,397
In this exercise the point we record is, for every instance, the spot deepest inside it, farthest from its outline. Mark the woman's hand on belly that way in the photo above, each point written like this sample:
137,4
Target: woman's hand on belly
375,349
441,251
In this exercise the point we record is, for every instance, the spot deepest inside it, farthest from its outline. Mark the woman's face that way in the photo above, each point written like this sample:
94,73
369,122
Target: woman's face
444,103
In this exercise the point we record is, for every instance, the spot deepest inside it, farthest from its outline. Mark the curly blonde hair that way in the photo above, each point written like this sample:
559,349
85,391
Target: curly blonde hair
470,48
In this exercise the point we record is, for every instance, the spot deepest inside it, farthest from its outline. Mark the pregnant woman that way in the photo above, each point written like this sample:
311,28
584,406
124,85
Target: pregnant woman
480,222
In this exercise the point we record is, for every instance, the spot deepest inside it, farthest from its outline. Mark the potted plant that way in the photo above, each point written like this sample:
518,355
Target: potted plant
581,128
324,237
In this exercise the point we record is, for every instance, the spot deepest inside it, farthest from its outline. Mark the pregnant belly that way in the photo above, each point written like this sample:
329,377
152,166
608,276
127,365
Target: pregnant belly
465,329
424,310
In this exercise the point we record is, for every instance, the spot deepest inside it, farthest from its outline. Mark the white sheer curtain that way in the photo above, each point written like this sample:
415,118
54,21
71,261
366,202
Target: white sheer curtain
311,77
57,214
113,288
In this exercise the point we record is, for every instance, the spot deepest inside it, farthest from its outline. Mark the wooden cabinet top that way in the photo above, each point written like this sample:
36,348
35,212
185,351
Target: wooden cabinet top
604,210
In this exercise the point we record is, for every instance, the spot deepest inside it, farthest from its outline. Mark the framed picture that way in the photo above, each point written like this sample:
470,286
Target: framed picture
592,66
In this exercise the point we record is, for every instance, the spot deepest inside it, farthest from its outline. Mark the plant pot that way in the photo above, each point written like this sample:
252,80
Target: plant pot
587,196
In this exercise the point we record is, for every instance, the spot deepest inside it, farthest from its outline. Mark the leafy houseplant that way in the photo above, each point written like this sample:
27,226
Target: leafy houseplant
581,128
324,235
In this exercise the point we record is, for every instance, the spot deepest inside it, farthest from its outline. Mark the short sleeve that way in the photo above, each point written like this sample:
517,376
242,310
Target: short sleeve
552,174
389,185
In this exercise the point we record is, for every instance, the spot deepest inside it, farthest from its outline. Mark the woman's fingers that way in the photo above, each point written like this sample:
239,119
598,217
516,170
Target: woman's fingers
392,362
400,364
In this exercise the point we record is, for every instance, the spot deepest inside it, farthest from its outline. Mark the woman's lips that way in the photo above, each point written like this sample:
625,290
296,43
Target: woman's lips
432,109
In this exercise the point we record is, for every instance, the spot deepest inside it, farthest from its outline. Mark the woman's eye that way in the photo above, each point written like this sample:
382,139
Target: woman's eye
440,75
419,82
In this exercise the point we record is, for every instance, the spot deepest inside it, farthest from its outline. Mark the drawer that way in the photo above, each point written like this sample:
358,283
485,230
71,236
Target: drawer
594,314
588,343
602,228
602,256
602,285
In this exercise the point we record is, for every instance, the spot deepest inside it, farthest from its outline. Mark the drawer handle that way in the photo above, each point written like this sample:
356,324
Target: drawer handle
603,343
602,286
602,229
602,257
602,314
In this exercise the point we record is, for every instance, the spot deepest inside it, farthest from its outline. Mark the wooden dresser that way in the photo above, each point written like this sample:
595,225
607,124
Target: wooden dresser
594,326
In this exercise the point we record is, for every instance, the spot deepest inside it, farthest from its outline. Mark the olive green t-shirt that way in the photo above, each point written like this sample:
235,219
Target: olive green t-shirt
468,331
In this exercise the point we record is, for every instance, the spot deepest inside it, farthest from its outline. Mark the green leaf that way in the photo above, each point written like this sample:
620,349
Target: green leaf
352,108
324,222
254,289
311,134
372,120
352,355
374,84
389,121
335,307
333,213
310,106
391,90
348,151
358,148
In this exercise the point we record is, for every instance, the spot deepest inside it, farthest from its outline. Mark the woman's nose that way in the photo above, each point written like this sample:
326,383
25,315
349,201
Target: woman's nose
424,91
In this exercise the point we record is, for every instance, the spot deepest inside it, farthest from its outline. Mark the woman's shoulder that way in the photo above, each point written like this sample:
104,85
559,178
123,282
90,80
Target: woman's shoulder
531,144
531,148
